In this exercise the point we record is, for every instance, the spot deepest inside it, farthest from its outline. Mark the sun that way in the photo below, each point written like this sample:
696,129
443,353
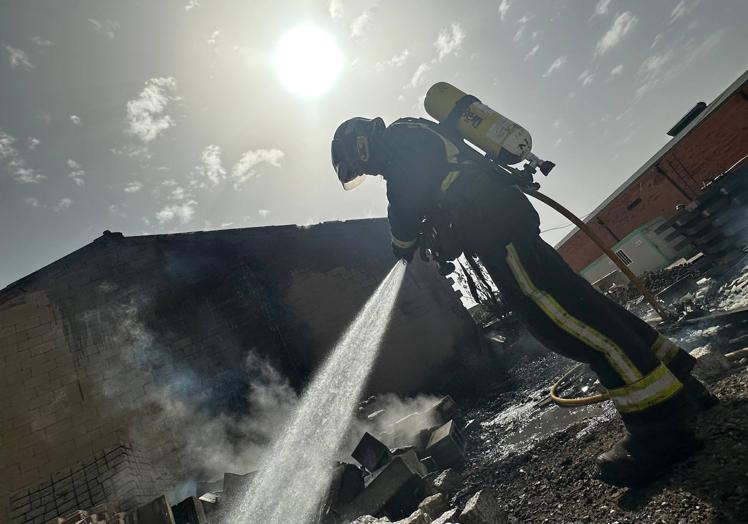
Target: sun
307,61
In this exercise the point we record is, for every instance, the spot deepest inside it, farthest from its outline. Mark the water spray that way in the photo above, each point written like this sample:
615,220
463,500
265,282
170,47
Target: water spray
295,476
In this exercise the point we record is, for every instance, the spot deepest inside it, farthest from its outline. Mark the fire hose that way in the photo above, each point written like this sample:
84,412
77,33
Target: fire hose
600,397
609,252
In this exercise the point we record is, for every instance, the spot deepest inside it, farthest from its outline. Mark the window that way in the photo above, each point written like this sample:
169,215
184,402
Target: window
626,260
633,204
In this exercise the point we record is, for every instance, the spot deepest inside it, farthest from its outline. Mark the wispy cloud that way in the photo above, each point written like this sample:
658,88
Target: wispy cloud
622,25
76,174
213,38
532,52
335,8
396,61
682,9
557,64
75,119
662,68
503,8
42,42
450,40
12,161
32,143
616,71
32,202
182,213
107,28
245,168
601,8
133,187
657,40
522,23
64,203
192,4
263,212
586,77
210,165
418,76
360,24
18,57
146,115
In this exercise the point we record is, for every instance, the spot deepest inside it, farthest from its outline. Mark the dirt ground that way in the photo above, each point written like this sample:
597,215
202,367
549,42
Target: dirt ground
555,480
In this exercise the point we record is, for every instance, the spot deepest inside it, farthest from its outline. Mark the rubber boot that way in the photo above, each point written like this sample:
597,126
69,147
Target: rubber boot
647,452
698,394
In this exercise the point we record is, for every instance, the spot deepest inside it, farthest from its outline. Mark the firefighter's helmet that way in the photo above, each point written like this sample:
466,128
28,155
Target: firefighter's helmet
351,150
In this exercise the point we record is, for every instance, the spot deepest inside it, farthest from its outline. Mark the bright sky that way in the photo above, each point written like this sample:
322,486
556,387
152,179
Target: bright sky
155,117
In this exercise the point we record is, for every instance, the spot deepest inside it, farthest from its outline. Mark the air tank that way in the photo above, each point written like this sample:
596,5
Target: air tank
503,140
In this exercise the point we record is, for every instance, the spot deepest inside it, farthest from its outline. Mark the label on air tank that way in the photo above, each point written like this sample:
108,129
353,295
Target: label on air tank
499,131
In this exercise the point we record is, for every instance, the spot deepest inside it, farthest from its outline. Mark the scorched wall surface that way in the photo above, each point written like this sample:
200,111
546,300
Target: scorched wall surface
87,342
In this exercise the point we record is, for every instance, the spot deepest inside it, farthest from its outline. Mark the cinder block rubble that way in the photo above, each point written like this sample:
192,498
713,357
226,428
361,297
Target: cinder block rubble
483,508
711,365
396,489
371,453
157,511
447,445
189,511
434,505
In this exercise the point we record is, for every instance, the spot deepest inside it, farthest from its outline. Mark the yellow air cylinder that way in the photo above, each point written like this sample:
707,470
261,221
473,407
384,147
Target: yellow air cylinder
500,138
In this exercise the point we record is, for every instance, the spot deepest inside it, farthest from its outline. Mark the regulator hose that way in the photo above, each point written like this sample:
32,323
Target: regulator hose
646,293
600,397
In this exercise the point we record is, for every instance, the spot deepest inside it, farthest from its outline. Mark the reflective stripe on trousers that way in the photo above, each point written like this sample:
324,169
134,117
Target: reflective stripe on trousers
654,388
664,349
640,391
553,310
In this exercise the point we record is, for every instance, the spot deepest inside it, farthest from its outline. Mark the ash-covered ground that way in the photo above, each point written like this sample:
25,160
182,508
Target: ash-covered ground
554,480
540,457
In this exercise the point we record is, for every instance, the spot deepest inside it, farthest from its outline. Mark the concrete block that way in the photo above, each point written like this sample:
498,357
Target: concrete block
371,453
448,482
430,464
368,519
444,410
434,505
710,365
189,511
347,482
411,458
447,517
395,491
447,445
483,508
417,517
157,511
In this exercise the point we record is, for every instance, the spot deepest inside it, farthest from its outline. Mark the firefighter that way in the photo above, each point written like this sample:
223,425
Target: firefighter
431,179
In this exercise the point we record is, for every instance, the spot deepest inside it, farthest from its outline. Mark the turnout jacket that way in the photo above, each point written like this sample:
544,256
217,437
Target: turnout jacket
427,173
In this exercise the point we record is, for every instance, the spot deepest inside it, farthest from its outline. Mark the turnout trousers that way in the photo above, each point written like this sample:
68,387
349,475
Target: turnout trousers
636,364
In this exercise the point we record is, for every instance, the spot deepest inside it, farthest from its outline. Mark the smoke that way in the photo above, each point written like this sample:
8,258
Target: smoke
177,415
389,409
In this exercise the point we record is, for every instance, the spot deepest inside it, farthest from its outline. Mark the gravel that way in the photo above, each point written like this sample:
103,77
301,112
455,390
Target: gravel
554,481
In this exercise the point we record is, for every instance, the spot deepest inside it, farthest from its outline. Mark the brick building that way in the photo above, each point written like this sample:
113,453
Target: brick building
706,142
117,358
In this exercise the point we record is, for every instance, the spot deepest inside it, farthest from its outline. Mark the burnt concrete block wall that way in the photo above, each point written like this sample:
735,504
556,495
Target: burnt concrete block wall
88,343
119,477
708,150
